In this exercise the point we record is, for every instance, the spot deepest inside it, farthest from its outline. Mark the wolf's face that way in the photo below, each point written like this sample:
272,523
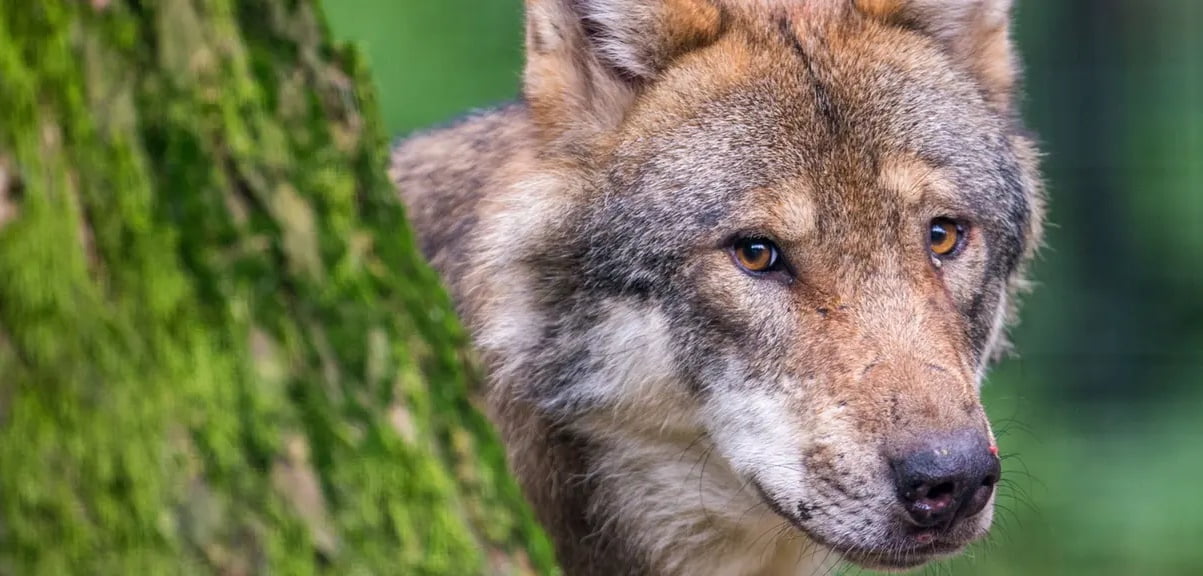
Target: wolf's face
829,239
793,230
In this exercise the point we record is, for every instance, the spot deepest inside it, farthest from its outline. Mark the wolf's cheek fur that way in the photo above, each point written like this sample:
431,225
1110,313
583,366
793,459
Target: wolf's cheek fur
636,386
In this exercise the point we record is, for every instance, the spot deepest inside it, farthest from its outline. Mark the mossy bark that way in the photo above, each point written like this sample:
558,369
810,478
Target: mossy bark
219,350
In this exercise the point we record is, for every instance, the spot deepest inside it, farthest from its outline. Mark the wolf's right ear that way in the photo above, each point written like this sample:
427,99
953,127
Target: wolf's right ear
587,59
976,34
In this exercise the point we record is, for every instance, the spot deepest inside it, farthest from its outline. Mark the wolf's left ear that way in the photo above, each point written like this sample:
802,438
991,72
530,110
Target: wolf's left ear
975,32
587,59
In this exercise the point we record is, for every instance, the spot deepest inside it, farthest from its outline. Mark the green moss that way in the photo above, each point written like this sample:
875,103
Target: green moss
219,350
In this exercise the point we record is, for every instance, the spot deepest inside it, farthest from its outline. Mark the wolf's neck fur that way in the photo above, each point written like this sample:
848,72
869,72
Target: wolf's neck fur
690,514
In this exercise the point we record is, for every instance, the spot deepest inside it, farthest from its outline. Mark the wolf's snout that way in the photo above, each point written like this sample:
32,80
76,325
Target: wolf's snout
948,478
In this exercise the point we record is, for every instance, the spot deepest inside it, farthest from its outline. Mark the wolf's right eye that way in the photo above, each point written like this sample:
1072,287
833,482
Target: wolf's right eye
757,255
946,236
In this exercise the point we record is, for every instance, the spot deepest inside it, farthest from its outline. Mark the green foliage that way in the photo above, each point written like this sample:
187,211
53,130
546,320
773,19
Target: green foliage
435,60
219,350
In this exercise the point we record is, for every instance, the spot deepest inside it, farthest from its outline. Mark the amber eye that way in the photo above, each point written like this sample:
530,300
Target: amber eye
757,255
945,236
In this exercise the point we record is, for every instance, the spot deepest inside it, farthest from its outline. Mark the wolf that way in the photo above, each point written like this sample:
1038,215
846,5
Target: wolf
735,270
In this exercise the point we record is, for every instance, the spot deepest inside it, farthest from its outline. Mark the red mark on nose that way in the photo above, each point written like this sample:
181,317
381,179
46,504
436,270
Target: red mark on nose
994,450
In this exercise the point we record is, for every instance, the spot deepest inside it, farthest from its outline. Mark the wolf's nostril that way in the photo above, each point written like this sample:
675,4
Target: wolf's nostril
941,490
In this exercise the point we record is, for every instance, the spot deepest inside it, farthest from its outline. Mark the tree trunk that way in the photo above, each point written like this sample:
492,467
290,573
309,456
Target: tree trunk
219,350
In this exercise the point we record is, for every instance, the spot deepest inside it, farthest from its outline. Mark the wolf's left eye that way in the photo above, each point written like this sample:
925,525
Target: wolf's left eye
945,236
757,255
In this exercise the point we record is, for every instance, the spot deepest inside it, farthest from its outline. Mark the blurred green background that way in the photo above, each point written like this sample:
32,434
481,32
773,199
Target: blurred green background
1101,414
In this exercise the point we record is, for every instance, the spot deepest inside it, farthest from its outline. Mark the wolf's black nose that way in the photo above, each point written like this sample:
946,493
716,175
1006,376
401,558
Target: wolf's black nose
949,478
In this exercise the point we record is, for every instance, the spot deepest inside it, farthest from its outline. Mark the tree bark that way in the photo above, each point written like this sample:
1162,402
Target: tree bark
219,349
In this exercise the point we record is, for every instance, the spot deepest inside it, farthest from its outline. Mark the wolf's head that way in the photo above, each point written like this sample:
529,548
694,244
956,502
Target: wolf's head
794,227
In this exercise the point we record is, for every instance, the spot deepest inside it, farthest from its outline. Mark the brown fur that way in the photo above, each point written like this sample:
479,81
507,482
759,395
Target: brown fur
585,234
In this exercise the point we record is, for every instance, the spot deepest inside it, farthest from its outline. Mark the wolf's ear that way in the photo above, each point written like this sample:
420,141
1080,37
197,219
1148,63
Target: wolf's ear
587,59
975,32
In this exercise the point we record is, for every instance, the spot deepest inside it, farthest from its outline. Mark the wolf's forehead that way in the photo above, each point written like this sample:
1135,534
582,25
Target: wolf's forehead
846,124
757,139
